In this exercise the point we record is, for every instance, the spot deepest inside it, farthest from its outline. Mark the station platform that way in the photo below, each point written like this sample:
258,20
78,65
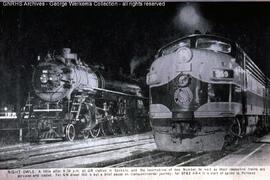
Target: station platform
253,154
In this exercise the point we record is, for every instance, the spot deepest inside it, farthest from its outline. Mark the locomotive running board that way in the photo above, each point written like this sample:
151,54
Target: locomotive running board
47,110
50,139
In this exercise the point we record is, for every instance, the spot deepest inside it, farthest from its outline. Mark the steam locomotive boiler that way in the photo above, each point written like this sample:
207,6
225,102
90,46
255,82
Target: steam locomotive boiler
205,93
72,98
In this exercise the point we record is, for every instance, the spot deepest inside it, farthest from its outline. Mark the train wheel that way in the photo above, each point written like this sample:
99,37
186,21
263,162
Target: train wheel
104,129
85,134
234,134
113,128
123,127
140,124
70,132
94,132
235,128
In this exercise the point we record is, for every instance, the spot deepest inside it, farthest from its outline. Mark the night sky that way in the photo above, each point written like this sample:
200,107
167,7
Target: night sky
115,36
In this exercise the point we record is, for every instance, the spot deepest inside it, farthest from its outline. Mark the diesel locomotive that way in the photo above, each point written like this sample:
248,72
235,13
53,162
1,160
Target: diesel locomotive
71,99
205,93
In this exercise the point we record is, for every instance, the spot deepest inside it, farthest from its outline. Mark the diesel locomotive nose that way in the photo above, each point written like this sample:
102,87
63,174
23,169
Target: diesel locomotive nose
193,88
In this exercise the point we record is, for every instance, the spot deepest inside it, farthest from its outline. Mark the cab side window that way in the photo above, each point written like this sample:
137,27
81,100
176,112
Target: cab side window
240,57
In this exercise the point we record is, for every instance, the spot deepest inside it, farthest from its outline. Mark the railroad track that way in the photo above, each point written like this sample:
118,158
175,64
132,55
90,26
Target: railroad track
87,153
165,159
129,151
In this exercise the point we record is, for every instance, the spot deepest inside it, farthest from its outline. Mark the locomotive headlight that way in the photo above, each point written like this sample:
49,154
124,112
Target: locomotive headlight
44,78
183,80
223,73
185,54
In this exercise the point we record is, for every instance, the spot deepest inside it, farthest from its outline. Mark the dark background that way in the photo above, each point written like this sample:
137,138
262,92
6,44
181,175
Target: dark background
116,36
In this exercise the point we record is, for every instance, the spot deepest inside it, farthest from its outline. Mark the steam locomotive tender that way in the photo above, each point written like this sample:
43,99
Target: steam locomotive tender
205,93
73,99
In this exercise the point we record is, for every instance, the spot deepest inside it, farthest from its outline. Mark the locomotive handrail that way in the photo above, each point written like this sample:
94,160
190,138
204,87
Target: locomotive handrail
256,74
255,69
253,64
120,93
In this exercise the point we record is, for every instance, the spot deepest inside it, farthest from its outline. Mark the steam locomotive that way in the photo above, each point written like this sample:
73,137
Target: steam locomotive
205,93
72,99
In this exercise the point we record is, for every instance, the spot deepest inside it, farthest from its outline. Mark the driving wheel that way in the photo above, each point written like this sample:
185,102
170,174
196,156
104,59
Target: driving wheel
94,132
70,132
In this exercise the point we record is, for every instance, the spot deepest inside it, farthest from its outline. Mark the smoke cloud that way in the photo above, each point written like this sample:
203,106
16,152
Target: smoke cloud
136,61
188,19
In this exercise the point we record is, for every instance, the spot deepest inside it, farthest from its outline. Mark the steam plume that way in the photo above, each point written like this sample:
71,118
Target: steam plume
136,61
188,19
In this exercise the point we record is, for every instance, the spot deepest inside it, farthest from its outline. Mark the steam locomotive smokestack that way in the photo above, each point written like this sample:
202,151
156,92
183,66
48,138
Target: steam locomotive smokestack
65,52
